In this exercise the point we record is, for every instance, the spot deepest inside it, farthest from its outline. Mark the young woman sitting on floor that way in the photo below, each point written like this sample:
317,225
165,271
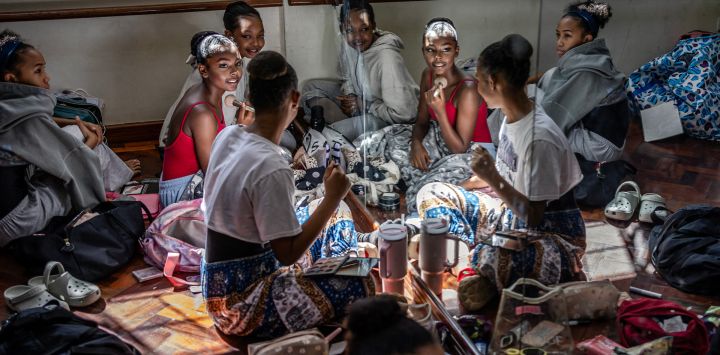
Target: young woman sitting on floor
23,65
198,118
45,172
450,122
244,26
531,184
256,236
585,93
376,88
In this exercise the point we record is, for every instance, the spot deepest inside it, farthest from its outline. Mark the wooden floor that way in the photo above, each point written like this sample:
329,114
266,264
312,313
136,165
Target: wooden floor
683,170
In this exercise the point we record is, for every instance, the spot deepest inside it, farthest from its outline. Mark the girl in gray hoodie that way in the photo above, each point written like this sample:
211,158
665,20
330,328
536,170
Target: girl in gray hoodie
374,83
584,93
45,172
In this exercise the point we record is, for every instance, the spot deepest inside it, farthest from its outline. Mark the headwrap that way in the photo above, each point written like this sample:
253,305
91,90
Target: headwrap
194,44
441,27
214,44
588,19
7,48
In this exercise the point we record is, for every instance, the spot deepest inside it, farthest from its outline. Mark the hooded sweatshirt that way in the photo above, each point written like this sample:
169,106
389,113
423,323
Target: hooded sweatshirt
28,132
390,92
585,86
584,76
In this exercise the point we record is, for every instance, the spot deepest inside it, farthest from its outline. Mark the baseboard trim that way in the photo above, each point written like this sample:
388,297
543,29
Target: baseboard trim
121,134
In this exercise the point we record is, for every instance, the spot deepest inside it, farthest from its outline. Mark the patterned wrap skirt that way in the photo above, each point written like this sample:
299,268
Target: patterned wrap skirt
256,296
553,258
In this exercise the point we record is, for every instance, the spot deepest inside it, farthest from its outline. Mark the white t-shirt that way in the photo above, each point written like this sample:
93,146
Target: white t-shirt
544,170
249,188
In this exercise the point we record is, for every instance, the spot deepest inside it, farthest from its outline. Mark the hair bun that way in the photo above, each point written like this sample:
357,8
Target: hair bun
374,314
600,9
268,65
517,47
7,36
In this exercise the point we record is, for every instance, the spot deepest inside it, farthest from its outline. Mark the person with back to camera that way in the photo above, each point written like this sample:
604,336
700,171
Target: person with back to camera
585,94
374,79
198,117
532,182
378,325
257,242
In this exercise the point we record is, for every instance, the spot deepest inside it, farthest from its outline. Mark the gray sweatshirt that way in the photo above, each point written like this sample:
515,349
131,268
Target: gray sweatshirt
391,93
63,169
584,76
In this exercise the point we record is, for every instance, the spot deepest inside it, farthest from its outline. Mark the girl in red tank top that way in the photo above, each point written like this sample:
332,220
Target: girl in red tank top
462,117
451,120
198,116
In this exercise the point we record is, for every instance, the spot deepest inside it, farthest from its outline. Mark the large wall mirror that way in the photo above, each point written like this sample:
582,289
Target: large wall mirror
364,78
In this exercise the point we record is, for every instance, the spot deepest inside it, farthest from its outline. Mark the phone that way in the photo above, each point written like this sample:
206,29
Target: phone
148,273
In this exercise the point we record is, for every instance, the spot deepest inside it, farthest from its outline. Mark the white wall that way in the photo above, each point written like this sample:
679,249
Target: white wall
313,44
638,31
136,63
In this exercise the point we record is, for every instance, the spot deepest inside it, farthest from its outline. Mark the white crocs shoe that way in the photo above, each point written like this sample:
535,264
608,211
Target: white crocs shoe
622,207
75,292
22,297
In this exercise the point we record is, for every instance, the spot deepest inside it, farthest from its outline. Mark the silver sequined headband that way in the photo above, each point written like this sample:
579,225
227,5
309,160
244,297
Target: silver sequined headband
440,28
215,44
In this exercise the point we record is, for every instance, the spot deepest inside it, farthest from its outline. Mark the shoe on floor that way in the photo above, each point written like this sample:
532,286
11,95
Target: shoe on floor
623,206
648,204
65,287
22,297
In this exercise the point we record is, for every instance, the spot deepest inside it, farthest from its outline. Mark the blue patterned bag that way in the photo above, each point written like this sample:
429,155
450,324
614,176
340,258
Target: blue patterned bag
688,75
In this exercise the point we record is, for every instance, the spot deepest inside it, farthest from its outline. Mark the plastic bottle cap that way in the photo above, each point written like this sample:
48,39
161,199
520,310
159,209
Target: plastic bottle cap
435,226
392,232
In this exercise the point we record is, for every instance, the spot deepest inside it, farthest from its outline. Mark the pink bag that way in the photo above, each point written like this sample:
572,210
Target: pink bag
151,201
175,240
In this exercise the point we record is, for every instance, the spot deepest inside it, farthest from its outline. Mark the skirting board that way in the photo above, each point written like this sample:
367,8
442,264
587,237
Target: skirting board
121,134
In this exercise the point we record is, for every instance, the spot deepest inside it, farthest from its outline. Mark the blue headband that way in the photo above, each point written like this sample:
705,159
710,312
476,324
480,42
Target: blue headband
588,19
7,51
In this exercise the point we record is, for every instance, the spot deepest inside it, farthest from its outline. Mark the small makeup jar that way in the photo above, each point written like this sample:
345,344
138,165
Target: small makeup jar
389,201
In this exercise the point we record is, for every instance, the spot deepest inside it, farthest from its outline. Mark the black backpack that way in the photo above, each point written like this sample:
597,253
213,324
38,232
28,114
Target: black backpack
686,249
54,330
600,180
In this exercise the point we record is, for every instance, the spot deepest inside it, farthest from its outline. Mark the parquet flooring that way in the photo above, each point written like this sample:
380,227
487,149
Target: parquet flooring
684,170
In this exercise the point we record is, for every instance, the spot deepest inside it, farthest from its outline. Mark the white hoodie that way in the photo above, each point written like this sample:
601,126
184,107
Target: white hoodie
390,92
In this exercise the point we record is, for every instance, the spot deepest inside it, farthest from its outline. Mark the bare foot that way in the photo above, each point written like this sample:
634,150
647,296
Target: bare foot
474,183
134,165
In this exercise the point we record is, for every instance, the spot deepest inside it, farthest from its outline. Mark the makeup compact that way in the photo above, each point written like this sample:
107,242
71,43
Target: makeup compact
389,201
326,266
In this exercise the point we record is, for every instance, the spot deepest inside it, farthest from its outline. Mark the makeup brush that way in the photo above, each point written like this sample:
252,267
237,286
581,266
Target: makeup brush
440,83
239,104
